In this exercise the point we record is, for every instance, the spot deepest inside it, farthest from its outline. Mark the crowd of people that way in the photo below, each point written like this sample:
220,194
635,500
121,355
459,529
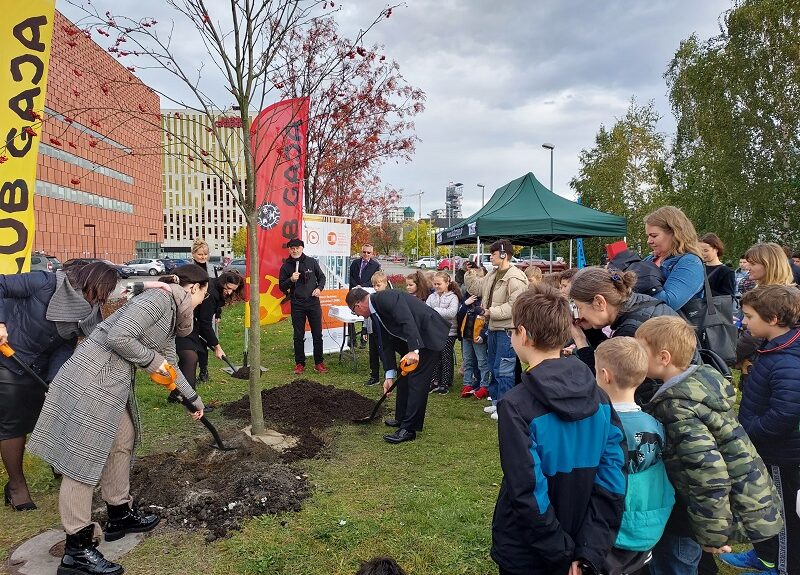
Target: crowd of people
621,448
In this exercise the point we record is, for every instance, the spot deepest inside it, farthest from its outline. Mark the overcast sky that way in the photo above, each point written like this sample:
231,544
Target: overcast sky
503,77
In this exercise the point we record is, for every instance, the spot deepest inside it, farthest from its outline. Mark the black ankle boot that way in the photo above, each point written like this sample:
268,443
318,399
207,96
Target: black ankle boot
203,374
122,519
81,556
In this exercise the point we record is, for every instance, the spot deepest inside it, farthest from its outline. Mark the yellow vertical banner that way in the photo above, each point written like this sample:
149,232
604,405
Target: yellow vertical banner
26,32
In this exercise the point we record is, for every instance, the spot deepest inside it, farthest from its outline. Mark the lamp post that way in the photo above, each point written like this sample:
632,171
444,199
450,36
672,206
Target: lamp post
483,194
155,241
94,237
550,147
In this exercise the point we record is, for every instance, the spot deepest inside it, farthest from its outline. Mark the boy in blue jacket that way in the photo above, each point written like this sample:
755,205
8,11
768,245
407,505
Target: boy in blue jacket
621,367
770,414
562,451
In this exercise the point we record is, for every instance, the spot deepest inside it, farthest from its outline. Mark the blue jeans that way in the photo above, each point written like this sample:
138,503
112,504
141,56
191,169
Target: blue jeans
475,358
501,363
675,555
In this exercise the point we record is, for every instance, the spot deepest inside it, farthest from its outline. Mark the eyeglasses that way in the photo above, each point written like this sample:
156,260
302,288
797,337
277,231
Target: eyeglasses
206,295
366,253
510,331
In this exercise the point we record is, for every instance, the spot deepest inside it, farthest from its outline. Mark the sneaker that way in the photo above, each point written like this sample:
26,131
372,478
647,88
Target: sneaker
299,368
467,390
481,393
493,415
745,560
490,409
321,367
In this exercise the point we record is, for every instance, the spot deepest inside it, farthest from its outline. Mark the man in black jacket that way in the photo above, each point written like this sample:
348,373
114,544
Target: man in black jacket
302,280
404,324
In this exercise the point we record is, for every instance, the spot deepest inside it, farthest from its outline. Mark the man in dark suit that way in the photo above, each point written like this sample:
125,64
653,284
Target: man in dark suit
404,324
361,269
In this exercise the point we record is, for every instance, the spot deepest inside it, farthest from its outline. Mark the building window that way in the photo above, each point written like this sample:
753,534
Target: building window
65,156
51,190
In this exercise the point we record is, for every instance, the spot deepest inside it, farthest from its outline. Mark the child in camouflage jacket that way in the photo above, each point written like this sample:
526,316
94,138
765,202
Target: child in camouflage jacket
723,491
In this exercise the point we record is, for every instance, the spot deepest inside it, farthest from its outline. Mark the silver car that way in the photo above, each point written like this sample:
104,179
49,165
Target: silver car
237,264
146,266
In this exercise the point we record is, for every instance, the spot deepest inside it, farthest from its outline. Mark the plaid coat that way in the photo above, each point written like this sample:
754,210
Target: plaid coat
83,408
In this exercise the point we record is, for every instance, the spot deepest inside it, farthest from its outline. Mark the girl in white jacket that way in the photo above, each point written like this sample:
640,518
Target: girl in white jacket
445,299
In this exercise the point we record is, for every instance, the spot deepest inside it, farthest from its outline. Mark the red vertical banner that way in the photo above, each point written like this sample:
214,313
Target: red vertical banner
278,139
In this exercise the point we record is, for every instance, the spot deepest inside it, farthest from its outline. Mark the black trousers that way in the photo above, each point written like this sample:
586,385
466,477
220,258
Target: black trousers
412,392
784,548
302,310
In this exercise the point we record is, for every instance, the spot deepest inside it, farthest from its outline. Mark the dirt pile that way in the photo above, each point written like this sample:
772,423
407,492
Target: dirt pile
304,409
204,488
200,487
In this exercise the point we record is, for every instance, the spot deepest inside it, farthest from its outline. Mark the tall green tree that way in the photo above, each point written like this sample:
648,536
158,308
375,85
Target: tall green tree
624,173
735,99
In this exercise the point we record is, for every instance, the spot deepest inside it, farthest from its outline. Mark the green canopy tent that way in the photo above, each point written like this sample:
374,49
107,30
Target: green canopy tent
529,214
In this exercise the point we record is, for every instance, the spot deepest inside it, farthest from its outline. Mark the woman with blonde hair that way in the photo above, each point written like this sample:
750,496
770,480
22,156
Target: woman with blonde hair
673,240
200,255
769,265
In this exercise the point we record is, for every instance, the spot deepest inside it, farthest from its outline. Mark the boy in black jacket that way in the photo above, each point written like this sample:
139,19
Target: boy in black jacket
562,450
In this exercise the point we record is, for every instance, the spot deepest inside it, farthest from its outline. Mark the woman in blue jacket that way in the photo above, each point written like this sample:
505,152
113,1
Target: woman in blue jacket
41,318
673,239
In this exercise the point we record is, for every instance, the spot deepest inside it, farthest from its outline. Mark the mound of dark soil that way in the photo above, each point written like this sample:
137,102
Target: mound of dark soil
304,409
204,488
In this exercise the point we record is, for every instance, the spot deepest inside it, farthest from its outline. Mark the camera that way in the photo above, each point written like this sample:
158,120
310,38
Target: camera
576,314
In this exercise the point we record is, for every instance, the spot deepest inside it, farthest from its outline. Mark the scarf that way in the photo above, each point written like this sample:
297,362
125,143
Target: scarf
72,314
185,316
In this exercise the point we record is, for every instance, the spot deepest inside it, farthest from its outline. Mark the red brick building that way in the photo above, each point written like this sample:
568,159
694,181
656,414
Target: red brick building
100,156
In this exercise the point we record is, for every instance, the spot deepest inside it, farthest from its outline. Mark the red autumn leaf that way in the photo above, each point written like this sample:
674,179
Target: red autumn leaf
94,122
141,109
3,159
131,69
77,72
190,158
105,88
34,114
204,152
72,145
74,181
93,143
206,17
177,115
72,44
209,130
383,58
75,92
29,131
68,119
56,142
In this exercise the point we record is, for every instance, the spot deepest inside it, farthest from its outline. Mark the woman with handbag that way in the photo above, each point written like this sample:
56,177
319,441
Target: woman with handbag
721,278
673,239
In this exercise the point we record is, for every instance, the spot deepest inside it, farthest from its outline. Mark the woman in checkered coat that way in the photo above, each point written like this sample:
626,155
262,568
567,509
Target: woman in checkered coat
89,424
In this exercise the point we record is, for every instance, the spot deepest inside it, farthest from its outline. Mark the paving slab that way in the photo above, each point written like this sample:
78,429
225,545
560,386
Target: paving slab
41,554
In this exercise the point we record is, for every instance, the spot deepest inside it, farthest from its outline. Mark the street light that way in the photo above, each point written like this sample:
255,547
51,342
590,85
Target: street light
550,147
94,237
155,241
483,194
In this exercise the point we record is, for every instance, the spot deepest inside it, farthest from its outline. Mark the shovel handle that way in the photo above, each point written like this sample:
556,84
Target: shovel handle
9,352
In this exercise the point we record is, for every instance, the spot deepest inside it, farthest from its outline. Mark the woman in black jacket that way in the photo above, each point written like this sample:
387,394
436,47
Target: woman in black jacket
221,291
41,317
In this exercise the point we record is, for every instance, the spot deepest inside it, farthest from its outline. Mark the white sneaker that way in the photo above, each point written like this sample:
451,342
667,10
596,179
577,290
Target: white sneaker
490,409
494,416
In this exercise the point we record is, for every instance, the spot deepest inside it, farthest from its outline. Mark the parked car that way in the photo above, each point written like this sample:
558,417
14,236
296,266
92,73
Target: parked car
169,263
447,264
123,271
147,266
45,262
424,263
237,264
544,265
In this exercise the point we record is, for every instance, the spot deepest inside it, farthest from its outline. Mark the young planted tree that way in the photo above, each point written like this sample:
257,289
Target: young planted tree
361,116
239,42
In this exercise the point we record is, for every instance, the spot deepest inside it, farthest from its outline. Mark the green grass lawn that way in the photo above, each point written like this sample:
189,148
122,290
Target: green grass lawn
428,503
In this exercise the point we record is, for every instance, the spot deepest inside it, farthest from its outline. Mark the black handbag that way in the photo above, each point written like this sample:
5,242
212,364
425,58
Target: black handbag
712,319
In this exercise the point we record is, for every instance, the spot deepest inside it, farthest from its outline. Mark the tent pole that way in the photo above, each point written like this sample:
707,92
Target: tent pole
551,257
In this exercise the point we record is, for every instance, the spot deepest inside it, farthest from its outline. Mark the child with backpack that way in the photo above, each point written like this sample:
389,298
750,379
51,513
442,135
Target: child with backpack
770,413
473,331
445,300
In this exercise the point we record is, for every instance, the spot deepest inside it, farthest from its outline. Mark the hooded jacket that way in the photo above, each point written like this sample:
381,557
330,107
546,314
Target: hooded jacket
563,453
770,407
502,294
649,277
723,491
